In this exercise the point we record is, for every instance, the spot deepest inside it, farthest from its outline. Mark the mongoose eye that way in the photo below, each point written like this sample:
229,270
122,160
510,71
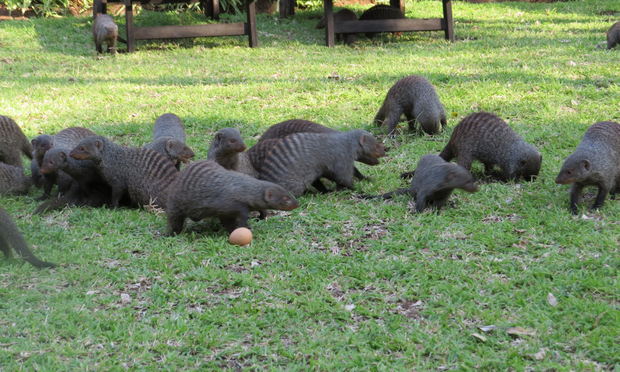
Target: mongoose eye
569,172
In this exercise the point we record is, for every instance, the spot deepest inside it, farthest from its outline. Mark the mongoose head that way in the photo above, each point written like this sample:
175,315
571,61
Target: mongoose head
53,160
41,144
227,140
321,23
178,150
277,197
527,165
89,148
370,150
458,177
573,170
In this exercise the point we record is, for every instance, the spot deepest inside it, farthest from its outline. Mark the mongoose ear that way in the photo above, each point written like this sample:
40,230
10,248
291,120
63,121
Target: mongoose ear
363,139
169,145
32,141
63,155
268,194
451,176
218,137
99,144
586,164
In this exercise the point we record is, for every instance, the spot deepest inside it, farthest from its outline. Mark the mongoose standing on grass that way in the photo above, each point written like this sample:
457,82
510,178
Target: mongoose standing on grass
285,128
227,149
11,237
298,160
613,35
105,30
380,11
13,142
66,139
415,97
13,181
143,174
40,145
205,189
169,139
486,137
595,162
433,183
341,15
83,172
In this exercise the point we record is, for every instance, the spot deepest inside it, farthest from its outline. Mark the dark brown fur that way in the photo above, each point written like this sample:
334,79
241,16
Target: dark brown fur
40,145
227,149
613,35
169,139
595,162
486,137
340,16
105,30
143,174
205,189
13,181
380,11
11,237
13,143
83,172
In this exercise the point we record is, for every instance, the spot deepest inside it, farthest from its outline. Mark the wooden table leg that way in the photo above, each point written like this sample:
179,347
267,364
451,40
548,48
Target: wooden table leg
447,16
131,47
329,22
251,10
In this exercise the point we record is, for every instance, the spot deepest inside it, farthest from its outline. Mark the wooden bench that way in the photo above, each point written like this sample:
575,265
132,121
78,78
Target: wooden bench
287,7
212,9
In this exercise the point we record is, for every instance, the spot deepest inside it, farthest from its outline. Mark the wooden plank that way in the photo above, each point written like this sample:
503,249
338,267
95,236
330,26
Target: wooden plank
390,25
131,46
329,22
171,32
447,15
252,34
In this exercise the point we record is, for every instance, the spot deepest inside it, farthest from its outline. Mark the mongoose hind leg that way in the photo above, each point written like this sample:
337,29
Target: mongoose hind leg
600,197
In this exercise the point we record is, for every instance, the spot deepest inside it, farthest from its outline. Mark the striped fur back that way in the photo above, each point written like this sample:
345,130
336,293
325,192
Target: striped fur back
68,138
13,142
285,128
283,158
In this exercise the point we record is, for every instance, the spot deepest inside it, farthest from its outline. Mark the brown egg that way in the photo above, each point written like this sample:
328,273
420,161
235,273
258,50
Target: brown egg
241,236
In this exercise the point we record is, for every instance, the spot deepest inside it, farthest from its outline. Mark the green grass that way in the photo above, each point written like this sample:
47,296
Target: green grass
420,285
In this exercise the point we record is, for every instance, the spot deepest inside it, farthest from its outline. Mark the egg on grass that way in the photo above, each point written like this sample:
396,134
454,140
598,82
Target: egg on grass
241,236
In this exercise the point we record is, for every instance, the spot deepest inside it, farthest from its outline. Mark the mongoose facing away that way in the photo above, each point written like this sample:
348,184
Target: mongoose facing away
434,181
285,128
173,149
11,237
296,161
227,149
205,189
339,16
415,97
613,35
66,139
13,181
380,11
486,137
105,30
143,174
13,142
595,162
169,125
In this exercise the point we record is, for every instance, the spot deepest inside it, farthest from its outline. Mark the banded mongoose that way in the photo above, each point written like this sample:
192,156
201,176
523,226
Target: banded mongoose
285,128
205,189
613,35
415,97
83,172
40,145
11,237
105,30
98,195
13,142
13,181
66,139
486,137
433,183
298,160
595,162
169,139
339,16
380,11
227,149
143,174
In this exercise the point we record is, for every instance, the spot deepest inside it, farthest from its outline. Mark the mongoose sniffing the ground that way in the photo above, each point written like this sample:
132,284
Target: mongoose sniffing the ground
105,30
415,97
285,128
205,189
595,162
11,237
227,149
380,11
13,142
298,160
13,181
341,15
613,35
142,173
486,137
433,183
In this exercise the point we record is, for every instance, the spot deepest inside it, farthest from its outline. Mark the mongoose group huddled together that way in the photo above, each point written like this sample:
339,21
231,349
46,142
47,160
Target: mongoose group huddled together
288,159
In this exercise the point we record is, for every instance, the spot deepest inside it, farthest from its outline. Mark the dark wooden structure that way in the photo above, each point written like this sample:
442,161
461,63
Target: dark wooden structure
212,9
287,8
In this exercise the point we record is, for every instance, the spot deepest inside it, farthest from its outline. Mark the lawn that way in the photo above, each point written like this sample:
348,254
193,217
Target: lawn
339,283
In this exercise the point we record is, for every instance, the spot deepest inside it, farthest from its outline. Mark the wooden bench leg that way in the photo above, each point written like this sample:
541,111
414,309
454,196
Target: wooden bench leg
329,22
251,10
447,16
131,47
